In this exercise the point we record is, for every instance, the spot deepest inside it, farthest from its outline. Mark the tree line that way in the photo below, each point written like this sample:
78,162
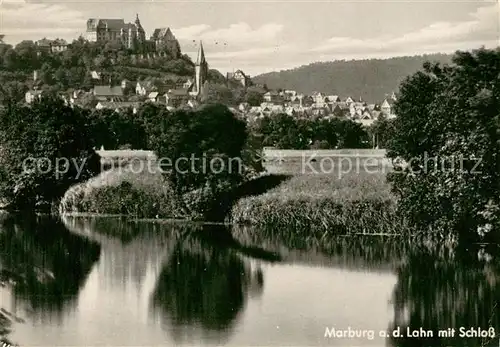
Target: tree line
50,129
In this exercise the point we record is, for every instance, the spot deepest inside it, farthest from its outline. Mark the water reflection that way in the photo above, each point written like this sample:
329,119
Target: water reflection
183,284
448,293
204,286
48,264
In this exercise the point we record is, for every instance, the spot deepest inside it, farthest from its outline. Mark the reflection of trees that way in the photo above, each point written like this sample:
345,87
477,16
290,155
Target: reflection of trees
48,264
132,257
436,294
353,252
203,286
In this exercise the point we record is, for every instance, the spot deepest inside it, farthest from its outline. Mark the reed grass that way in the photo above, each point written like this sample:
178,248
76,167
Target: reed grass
323,204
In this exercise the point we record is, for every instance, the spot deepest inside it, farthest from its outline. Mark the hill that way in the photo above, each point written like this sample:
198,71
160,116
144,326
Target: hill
73,67
370,79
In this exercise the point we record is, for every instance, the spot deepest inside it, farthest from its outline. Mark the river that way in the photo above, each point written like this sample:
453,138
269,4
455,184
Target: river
109,282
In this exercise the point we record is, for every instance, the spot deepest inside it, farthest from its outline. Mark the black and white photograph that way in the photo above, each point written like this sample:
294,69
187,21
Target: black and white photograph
249,173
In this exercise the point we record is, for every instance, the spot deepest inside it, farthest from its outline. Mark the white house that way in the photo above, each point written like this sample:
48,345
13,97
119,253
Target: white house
140,88
117,106
271,96
154,96
188,84
32,95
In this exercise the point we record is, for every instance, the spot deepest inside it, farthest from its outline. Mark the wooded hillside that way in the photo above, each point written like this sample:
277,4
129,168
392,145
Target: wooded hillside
370,79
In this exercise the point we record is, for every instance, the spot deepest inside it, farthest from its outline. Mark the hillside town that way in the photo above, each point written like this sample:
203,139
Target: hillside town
319,105
191,92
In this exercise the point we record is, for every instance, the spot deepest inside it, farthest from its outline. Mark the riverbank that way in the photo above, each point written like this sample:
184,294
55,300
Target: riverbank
357,202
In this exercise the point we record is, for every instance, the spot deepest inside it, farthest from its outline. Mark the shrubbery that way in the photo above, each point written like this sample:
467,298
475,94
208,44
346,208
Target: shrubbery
450,113
122,190
290,132
196,140
32,138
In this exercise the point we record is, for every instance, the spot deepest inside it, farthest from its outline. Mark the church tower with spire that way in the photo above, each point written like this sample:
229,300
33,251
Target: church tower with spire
201,70
141,34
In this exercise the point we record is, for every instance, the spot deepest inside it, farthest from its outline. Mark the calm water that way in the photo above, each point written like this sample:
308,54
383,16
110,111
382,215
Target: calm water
78,284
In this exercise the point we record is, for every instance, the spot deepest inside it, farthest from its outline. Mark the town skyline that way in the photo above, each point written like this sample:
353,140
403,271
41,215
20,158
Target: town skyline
270,35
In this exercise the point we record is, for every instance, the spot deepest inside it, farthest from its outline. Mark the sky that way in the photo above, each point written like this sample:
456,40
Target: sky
262,35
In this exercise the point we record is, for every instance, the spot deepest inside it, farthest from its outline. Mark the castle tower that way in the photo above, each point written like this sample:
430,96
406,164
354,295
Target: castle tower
201,70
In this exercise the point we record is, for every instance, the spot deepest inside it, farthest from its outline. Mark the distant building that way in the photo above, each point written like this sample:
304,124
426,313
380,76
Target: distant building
108,93
387,105
130,35
176,98
118,106
290,95
154,96
95,75
188,84
307,101
244,107
144,88
58,45
319,99
348,100
332,99
240,77
271,96
51,46
165,41
43,45
125,83
32,95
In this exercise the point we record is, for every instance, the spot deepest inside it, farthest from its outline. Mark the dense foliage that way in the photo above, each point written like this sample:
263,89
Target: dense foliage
232,94
33,140
381,131
198,150
370,79
288,132
117,130
450,113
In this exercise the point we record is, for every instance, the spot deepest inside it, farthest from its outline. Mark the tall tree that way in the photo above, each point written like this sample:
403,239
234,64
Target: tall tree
46,147
448,133
199,149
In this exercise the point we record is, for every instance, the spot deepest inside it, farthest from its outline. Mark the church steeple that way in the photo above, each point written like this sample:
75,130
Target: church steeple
201,70
140,37
201,55
140,29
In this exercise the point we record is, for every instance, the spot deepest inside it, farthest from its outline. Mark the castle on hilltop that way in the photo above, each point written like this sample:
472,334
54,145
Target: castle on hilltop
132,36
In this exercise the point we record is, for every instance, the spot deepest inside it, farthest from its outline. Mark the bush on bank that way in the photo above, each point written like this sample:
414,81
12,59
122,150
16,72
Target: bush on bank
122,191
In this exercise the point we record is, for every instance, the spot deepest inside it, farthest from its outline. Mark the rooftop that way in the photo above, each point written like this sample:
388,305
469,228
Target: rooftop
108,91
